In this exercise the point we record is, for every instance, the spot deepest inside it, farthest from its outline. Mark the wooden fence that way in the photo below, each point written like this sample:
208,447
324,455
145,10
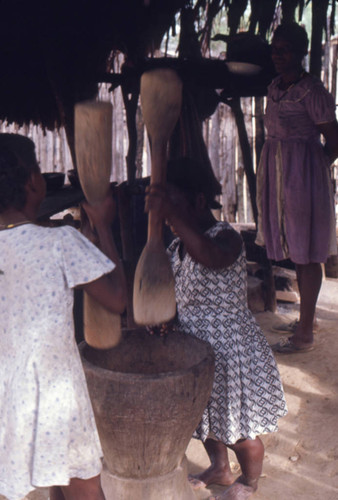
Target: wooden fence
220,133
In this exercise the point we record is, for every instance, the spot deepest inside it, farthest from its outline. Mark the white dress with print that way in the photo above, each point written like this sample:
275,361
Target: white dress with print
47,432
247,396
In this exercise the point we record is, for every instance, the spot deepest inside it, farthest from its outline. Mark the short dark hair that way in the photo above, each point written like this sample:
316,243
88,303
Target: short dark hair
191,176
17,163
294,34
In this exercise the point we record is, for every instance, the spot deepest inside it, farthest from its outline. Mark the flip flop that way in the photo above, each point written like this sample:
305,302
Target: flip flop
291,327
286,346
286,327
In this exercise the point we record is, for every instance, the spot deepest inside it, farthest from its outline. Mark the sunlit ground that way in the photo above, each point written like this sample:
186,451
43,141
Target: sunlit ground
301,460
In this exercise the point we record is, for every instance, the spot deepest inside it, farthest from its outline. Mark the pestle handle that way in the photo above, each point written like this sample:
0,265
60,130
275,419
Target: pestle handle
154,287
93,148
161,100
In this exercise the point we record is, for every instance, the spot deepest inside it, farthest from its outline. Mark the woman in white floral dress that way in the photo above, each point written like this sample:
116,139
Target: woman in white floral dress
209,266
48,436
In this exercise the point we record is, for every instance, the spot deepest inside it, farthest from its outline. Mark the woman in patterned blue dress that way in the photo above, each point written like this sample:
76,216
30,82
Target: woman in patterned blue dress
209,265
48,436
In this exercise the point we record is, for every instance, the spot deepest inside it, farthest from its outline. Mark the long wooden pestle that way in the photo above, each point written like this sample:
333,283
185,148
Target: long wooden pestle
93,148
154,293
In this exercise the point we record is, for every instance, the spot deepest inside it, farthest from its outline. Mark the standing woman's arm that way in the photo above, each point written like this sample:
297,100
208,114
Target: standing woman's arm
330,133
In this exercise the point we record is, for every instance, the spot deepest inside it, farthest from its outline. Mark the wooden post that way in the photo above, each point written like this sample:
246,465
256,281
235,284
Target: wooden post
235,105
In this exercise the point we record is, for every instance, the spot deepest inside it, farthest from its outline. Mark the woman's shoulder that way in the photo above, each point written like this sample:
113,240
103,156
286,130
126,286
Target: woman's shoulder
59,231
312,82
226,235
307,84
55,233
34,232
319,102
310,87
220,227
59,238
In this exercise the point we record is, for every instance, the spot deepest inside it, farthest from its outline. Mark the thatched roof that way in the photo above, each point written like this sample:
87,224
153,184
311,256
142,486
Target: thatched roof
52,53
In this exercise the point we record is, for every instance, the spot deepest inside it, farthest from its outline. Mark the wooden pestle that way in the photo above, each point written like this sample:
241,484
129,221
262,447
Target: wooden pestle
93,148
154,292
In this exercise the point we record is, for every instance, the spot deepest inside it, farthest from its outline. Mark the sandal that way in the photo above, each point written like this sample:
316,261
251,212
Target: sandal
286,346
287,327
292,327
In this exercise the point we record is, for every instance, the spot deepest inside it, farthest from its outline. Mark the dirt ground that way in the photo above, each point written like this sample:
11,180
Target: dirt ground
301,460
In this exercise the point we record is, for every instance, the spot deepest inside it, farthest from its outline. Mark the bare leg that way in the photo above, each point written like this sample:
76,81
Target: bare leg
250,454
219,471
84,489
309,277
55,493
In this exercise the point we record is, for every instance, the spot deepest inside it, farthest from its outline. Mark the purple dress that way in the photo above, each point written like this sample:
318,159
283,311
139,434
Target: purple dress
294,190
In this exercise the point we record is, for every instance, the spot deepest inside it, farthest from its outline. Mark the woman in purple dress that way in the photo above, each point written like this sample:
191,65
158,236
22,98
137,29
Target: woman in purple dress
294,190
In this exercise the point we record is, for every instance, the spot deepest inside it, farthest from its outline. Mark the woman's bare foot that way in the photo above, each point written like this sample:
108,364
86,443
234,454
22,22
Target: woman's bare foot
237,491
212,475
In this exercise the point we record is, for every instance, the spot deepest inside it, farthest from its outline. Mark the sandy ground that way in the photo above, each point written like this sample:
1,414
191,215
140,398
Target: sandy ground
301,460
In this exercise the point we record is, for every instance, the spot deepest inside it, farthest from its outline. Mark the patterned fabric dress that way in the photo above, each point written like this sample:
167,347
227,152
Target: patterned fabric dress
247,397
295,201
47,433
